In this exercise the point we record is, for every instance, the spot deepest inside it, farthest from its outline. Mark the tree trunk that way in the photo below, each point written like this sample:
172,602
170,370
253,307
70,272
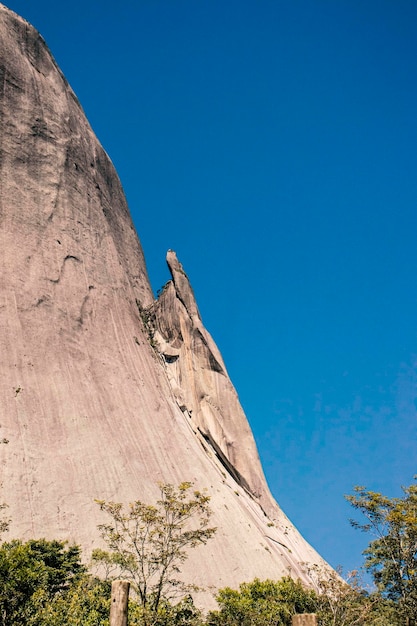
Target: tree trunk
304,619
119,602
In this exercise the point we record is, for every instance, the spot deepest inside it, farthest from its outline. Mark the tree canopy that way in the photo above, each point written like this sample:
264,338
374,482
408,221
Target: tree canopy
262,603
148,543
391,556
32,574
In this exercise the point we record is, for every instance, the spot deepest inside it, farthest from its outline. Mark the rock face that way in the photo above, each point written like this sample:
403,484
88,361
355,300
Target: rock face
104,391
200,383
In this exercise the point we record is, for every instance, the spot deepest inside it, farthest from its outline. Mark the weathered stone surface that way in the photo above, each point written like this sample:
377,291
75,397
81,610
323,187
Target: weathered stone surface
89,408
201,385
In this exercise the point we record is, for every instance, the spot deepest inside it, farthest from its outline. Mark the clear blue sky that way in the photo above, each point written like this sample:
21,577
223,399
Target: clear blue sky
273,145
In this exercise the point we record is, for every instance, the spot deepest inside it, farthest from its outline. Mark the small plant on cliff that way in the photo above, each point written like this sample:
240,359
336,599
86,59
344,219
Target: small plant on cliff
148,543
4,523
146,317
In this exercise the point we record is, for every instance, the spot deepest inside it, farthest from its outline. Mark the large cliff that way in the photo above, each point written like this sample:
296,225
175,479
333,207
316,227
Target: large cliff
104,391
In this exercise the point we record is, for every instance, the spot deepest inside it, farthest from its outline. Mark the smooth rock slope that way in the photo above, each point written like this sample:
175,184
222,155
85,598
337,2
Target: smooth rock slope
104,391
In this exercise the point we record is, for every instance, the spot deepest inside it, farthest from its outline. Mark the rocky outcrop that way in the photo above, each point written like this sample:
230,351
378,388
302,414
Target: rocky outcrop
201,385
105,392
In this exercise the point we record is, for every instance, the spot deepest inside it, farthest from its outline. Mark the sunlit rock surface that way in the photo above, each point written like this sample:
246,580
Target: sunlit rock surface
105,392
201,385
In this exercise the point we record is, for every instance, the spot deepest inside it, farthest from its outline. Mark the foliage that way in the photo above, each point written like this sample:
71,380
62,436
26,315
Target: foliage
31,574
86,602
392,556
4,523
148,542
146,317
262,603
347,603
183,613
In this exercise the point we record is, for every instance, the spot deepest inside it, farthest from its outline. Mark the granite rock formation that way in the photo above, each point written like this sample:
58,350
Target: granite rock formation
200,383
105,391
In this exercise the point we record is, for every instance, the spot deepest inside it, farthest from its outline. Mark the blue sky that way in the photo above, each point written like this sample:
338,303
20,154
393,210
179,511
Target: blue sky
272,144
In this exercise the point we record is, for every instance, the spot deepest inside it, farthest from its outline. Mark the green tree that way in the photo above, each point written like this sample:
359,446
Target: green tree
148,543
262,603
31,574
86,602
392,556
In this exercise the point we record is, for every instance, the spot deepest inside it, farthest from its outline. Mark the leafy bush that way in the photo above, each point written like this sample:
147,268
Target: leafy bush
32,574
262,603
